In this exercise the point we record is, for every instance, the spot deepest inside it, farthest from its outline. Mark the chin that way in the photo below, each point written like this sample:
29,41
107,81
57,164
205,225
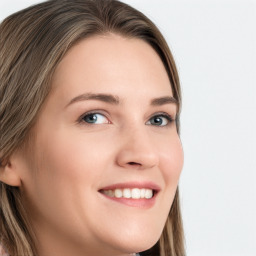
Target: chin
138,242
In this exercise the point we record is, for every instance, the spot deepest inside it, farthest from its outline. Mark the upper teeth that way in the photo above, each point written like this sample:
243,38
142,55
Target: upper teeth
134,193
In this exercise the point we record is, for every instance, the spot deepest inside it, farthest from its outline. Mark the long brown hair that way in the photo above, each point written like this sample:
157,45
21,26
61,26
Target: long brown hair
32,43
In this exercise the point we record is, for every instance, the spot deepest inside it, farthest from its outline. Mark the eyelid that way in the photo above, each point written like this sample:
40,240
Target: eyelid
169,117
164,114
101,112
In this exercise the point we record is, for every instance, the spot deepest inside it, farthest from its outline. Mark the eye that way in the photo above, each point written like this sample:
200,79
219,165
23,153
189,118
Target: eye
95,118
160,120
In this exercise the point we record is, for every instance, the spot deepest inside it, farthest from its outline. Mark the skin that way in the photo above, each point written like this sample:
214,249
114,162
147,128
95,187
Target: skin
70,160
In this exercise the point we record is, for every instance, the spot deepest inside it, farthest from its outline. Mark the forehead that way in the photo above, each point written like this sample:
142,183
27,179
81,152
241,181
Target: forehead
111,63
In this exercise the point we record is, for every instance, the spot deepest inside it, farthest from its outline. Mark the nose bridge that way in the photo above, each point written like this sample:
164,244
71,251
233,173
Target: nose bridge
138,135
137,148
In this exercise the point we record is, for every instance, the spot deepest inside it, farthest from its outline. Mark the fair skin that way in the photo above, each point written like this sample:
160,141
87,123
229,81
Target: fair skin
76,157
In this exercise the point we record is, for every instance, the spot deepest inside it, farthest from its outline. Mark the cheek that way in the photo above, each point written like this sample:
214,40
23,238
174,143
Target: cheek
72,159
171,161
67,167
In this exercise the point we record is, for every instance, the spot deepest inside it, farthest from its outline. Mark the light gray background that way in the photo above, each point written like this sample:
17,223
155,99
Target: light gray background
213,43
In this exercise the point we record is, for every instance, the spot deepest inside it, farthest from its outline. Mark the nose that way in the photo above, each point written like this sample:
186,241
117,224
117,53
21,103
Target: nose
137,150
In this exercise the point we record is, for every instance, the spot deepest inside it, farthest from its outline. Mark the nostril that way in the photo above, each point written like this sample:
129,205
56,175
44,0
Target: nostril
134,163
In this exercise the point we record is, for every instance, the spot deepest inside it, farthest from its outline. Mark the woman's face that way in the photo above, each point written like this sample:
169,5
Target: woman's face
104,134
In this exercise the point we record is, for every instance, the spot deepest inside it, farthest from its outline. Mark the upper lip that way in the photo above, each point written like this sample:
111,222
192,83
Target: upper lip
147,185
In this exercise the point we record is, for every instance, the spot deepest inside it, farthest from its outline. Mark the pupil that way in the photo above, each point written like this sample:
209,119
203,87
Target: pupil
91,118
157,120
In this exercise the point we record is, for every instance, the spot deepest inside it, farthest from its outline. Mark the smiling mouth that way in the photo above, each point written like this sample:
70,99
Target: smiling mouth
136,194
129,193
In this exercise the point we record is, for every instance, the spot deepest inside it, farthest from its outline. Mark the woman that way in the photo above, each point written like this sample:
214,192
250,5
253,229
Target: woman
90,151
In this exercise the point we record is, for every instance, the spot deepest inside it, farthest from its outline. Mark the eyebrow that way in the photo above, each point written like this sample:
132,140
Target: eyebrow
164,100
108,98
112,99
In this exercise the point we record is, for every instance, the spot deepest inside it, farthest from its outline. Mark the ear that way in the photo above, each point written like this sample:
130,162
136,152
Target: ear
9,174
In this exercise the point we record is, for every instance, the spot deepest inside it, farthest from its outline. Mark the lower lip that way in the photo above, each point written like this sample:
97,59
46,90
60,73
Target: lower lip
139,203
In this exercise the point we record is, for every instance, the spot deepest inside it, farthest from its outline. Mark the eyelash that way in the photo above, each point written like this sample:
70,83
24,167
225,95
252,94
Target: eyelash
168,117
81,119
162,115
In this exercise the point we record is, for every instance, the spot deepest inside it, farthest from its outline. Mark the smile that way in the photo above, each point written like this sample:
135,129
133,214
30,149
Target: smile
141,195
134,193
